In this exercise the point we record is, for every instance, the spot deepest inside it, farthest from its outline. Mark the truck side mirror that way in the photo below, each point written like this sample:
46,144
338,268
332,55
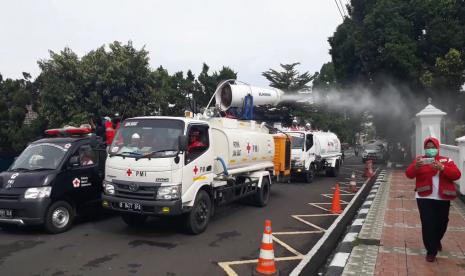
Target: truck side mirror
182,142
73,161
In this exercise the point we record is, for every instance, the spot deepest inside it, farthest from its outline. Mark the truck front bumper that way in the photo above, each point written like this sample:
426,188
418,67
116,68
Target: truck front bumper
25,212
150,208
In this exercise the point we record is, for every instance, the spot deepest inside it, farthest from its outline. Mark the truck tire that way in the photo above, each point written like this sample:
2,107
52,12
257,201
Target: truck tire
133,219
197,219
309,175
262,197
333,171
59,217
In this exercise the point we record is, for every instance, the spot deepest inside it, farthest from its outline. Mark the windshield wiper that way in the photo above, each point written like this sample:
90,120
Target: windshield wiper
19,170
41,169
150,154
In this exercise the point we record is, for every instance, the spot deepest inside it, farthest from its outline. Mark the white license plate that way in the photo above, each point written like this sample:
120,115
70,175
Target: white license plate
6,213
130,206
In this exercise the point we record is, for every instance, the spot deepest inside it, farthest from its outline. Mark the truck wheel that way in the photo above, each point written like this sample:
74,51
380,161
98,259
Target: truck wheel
197,219
333,171
309,175
133,219
262,197
59,217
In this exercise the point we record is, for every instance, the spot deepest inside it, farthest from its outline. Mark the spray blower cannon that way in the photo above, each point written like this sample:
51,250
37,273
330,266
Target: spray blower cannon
233,94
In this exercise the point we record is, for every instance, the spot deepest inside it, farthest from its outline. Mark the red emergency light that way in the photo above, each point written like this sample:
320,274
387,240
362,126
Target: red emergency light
71,131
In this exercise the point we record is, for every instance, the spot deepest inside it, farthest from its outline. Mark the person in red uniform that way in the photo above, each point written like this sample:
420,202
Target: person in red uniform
434,186
109,131
194,140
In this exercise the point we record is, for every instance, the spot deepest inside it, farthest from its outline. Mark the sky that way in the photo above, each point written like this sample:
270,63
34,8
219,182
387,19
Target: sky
250,36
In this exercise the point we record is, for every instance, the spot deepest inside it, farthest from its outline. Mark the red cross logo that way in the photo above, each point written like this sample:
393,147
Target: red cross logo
76,183
129,172
248,147
196,170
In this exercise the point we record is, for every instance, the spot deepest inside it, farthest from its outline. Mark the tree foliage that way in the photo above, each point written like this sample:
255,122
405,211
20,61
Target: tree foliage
416,43
289,79
117,78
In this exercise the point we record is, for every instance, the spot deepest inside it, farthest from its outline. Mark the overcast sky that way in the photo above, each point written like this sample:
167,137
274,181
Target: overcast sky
250,36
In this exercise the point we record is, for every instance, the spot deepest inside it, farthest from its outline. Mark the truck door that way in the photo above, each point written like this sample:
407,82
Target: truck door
309,150
198,162
80,178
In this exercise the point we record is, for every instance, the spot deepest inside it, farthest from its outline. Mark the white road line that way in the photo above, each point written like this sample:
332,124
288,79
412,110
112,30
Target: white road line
288,247
298,269
358,222
308,223
296,233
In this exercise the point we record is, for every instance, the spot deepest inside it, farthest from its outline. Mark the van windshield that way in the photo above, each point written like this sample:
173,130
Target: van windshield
147,138
297,140
44,156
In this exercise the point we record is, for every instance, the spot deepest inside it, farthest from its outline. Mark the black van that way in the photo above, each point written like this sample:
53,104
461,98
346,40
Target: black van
51,180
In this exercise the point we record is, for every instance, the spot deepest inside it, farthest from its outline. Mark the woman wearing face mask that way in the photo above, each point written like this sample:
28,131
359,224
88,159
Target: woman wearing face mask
434,175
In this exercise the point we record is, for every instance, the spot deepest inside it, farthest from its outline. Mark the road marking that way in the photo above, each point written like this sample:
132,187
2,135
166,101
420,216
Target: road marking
288,247
324,203
226,266
230,272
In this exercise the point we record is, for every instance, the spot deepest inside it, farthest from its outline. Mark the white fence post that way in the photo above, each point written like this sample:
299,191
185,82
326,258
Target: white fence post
428,124
461,163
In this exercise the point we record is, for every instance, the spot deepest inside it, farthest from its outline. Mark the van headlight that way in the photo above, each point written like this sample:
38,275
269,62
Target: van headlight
169,192
108,187
38,192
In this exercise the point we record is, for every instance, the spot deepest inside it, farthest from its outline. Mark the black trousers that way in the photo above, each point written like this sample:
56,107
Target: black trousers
434,215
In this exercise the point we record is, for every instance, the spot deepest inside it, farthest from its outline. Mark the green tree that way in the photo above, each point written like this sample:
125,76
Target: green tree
14,96
289,79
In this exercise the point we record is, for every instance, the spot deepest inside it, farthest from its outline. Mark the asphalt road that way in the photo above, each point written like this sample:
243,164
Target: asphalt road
107,245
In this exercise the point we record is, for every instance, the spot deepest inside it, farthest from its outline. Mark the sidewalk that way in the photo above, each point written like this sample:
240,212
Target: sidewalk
390,241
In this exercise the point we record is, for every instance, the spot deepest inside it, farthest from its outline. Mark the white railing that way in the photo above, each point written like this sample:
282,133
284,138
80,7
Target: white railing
449,151
456,153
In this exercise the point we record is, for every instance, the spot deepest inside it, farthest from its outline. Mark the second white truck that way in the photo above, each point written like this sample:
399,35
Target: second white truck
314,152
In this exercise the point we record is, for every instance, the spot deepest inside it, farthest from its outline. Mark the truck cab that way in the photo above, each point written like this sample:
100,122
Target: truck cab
313,152
51,180
170,166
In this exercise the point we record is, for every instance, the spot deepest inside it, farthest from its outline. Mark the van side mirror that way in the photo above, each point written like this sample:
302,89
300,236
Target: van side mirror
182,142
73,161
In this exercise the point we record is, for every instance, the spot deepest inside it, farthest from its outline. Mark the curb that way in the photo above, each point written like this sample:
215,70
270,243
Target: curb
319,253
336,267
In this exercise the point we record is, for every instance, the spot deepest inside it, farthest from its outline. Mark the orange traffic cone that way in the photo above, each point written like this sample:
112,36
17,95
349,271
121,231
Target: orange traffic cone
352,183
336,206
266,265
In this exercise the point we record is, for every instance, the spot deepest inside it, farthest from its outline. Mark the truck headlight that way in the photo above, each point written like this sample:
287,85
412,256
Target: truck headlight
38,192
108,188
169,192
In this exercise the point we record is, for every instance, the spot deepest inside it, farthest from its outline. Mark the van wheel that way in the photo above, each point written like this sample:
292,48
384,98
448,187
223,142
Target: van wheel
59,217
262,197
133,219
197,219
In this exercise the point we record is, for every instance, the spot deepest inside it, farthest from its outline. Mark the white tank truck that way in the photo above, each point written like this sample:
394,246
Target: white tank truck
314,152
170,166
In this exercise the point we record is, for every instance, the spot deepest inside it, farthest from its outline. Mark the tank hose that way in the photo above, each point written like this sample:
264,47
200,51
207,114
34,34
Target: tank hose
225,169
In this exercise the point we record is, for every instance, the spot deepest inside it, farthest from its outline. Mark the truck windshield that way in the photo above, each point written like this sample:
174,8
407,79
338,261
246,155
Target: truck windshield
44,156
297,140
147,138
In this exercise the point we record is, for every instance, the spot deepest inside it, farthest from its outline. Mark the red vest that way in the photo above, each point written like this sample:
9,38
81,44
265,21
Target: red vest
424,178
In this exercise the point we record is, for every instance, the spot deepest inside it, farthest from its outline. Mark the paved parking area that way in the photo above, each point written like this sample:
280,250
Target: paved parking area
106,245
